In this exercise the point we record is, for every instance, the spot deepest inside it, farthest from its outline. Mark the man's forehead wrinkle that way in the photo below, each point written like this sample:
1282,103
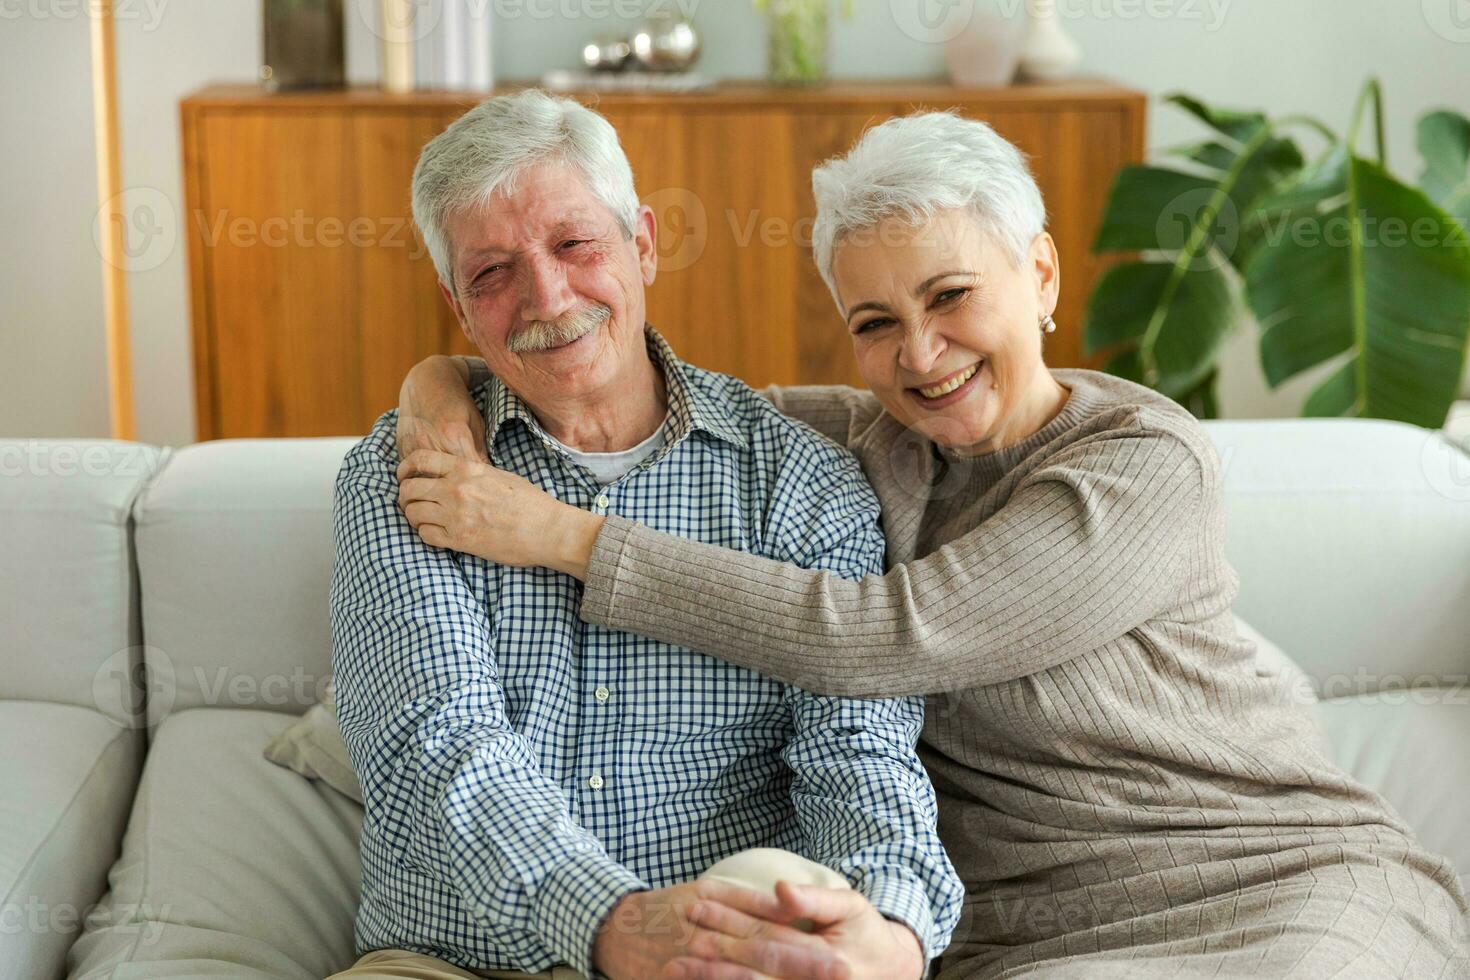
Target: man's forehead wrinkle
579,216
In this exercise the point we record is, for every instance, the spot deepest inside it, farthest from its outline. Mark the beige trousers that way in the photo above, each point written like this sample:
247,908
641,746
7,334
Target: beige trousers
758,868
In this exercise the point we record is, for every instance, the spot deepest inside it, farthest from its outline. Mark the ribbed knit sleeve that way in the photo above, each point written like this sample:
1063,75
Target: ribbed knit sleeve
1088,546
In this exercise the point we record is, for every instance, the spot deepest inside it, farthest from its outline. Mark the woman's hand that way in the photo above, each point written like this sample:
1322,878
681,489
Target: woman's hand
647,931
872,947
477,509
435,411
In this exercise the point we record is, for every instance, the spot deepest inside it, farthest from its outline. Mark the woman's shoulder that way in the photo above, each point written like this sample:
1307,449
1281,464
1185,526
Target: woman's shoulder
840,413
1111,406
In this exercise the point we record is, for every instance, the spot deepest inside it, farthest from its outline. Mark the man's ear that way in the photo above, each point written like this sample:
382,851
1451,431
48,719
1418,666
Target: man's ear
645,237
453,301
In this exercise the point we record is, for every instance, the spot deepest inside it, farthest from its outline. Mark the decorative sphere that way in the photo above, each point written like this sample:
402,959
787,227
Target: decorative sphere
607,53
666,43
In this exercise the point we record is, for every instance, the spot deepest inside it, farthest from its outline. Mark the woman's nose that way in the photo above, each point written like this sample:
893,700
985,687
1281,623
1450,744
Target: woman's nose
920,351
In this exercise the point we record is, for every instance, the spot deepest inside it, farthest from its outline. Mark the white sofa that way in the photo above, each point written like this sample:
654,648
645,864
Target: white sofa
200,576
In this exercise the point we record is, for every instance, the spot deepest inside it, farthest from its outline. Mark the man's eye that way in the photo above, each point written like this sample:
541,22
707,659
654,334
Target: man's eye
573,243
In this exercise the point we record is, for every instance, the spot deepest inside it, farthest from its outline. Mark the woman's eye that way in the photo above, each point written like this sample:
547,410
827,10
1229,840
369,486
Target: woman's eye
872,324
950,295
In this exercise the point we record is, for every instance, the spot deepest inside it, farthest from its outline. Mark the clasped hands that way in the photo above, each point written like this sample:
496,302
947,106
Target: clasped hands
713,930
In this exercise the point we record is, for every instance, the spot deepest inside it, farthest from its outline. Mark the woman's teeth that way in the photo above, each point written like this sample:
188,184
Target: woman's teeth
939,391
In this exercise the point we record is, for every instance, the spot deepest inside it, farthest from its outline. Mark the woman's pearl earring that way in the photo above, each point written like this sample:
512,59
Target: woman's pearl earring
1048,325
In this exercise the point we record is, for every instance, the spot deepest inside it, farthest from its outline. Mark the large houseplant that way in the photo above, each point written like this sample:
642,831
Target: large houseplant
1336,261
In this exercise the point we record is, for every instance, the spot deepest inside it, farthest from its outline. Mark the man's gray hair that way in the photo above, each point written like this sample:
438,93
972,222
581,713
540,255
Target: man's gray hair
916,165
487,148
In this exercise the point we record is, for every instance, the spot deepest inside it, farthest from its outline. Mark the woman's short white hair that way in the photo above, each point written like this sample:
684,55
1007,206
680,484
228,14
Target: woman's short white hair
915,165
487,148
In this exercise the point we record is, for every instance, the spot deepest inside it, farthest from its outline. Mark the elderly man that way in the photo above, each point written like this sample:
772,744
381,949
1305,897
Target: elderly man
540,792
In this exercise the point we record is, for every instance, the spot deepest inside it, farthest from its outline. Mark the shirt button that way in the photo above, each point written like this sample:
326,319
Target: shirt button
601,501
602,694
595,782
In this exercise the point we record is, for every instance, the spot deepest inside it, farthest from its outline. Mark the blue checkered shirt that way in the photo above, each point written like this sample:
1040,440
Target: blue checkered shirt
523,770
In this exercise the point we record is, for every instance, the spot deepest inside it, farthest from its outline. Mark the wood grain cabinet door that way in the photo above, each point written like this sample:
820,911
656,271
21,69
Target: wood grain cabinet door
313,294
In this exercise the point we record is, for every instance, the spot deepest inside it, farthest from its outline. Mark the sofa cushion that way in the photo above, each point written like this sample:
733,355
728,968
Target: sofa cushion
234,868
67,593
1352,541
68,775
314,748
1409,745
234,544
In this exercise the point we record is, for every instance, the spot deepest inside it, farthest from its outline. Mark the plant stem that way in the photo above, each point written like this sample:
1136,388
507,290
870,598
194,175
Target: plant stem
1218,196
1371,90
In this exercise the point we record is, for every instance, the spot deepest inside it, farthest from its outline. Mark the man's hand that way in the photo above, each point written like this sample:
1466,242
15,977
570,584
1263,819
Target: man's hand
435,411
648,931
871,947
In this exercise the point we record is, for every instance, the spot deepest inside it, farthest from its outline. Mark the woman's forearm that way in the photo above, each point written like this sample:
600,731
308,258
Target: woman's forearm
1055,573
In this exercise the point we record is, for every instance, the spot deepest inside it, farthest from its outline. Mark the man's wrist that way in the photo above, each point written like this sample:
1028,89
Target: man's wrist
911,961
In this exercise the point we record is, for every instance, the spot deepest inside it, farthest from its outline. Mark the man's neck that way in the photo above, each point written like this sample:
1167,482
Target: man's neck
630,411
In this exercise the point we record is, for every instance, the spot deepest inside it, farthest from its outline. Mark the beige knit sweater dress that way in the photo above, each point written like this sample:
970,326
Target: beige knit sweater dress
1122,792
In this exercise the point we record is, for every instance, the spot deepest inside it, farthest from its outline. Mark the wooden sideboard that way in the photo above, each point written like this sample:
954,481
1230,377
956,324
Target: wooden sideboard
312,294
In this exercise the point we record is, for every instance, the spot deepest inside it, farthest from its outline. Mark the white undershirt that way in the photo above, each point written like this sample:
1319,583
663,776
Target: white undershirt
612,467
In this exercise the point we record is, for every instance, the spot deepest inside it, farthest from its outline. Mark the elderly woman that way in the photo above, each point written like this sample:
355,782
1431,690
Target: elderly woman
1124,793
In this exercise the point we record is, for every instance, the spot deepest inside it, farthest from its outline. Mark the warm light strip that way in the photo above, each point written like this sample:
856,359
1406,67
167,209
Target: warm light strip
395,29
109,199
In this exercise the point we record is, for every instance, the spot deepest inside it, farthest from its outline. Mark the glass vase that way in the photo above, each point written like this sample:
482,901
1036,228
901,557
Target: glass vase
798,41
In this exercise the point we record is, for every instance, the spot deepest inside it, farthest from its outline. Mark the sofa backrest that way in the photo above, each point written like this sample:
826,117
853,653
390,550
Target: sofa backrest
234,544
68,596
1352,541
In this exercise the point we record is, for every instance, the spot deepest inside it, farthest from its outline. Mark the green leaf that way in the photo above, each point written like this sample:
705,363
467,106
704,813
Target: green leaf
1118,310
1354,263
1444,142
1171,319
1143,203
1239,126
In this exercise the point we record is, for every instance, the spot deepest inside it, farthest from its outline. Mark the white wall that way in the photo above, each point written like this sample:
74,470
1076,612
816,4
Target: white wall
1287,55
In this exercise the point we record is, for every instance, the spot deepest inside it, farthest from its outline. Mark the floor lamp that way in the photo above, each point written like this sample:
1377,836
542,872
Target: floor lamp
109,200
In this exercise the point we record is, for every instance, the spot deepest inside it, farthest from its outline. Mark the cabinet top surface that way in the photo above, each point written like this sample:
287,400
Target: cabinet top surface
724,95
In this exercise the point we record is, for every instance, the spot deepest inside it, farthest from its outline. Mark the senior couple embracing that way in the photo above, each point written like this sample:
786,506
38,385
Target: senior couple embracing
632,660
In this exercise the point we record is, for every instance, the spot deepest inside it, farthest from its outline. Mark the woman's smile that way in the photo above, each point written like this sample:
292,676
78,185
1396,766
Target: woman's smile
949,389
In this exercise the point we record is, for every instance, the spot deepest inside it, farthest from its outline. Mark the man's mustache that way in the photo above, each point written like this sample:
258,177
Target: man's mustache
540,335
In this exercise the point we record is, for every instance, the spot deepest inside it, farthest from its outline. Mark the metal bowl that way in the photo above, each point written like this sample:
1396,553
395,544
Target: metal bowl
666,43
607,53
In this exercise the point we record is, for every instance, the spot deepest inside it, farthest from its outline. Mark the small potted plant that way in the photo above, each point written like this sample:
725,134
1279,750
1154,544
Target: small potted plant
798,40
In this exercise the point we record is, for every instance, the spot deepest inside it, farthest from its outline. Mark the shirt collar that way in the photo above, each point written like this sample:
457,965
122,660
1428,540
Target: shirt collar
690,405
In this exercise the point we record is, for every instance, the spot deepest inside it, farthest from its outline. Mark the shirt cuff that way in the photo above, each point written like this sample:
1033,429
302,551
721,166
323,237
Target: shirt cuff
906,901
602,569
574,900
